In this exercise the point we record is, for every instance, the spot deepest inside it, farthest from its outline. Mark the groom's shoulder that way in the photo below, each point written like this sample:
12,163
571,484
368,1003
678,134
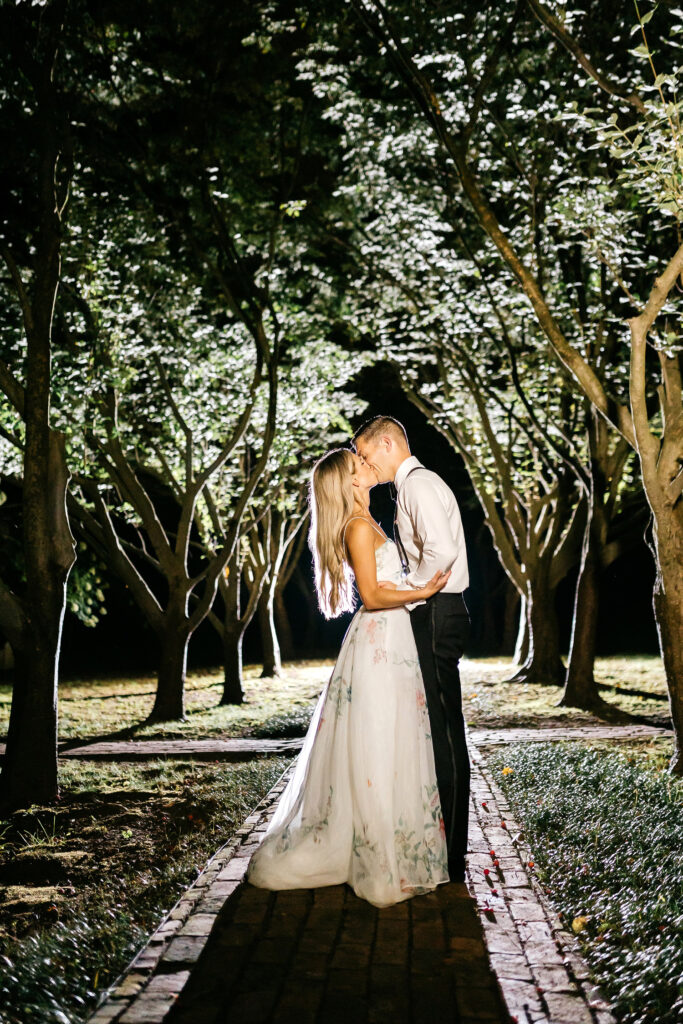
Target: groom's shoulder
421,475
421,472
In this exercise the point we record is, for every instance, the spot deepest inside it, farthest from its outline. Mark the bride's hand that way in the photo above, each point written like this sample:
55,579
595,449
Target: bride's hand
437,583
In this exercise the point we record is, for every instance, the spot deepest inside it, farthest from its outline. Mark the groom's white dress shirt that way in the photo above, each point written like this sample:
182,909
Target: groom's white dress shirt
430,526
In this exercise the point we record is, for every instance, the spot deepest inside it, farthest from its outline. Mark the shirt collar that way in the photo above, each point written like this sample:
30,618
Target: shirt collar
412,462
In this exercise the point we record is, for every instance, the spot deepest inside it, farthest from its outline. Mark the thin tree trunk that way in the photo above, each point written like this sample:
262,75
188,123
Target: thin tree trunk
174,638
668,607
580,688
233,692
272,664
543,663
283,625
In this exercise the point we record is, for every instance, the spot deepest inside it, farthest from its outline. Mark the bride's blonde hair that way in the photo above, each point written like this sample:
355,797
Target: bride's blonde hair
330,496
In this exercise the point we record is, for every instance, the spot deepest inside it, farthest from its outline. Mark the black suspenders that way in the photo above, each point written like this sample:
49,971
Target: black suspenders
397,535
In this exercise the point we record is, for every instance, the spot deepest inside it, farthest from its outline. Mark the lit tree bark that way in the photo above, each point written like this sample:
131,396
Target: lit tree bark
232,626
661,463
270,645
606,472
272,544
33,623
289,563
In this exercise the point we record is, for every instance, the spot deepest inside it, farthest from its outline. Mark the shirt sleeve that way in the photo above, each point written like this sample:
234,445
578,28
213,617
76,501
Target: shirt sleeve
425,507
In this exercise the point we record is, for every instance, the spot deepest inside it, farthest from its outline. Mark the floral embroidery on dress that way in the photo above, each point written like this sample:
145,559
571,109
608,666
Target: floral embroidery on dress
285,839
371,629
339,694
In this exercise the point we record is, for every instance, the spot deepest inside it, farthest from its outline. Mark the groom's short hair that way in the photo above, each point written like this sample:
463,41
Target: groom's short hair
378,425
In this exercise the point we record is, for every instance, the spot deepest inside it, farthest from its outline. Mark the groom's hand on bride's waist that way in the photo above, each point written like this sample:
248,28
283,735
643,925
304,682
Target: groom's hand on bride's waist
387,585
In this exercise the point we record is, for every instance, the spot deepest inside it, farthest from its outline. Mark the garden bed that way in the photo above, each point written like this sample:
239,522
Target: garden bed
82,884
606,829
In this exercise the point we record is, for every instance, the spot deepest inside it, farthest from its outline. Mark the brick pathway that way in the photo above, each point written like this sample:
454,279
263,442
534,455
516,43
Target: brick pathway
241,749
493,951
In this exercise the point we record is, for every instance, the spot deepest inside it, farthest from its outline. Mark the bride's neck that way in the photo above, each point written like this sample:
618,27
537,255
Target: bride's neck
361,504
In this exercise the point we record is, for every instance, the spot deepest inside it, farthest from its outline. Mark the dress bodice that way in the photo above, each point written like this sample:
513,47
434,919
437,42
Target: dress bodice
389,562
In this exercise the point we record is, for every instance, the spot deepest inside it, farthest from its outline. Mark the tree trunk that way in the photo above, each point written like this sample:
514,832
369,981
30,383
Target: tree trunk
29,771
668,607
543,663
169,703
283,625
511,621
580,688
233,692
272,664
522,643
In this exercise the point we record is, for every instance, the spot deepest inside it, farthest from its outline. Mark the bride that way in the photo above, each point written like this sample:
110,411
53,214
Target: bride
362,805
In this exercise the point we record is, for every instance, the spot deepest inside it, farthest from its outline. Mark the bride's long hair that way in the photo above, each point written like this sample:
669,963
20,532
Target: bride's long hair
330,496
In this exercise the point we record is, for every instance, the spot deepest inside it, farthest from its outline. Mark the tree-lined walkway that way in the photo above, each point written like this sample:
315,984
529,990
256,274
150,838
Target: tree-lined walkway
491,951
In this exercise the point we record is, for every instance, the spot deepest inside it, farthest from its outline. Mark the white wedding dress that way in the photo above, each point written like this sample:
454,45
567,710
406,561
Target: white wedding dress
362,805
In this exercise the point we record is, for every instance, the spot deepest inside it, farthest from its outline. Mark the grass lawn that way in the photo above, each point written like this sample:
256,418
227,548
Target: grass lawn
635,685
91,708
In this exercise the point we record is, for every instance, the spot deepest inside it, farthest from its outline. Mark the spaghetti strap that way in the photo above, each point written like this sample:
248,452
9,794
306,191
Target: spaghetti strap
365,521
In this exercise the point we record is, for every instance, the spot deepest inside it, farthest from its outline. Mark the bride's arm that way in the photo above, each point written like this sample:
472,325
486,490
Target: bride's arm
360,542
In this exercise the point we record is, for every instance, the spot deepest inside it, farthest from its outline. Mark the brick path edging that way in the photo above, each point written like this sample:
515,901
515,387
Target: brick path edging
155,977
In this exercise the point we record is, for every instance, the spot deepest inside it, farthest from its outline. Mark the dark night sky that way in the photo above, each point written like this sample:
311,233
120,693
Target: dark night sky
122,642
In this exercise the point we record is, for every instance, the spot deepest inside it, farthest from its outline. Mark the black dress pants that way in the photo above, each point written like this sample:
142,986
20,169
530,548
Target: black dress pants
441,627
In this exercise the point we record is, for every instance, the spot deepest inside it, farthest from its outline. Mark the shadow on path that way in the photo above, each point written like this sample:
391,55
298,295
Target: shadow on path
325,955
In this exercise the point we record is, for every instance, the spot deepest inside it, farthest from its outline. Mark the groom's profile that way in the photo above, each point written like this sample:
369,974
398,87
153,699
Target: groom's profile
429,535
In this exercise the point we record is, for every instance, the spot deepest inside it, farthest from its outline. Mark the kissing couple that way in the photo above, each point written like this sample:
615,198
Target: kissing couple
379,795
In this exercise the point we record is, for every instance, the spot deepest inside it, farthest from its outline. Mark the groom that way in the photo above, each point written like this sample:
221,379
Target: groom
429,535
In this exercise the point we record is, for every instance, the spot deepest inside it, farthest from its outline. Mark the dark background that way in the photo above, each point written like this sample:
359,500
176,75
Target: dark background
122,642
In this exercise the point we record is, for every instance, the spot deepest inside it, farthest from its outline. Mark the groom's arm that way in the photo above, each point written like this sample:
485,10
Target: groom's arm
427,512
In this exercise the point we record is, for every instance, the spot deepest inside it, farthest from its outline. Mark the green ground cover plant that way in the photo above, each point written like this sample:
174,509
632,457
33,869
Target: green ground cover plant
82,884
606,830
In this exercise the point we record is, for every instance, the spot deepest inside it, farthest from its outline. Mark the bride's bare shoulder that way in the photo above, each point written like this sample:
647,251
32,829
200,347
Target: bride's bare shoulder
359,533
